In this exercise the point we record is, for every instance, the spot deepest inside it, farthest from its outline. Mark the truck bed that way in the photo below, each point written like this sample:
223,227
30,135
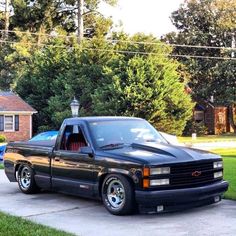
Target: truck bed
46,144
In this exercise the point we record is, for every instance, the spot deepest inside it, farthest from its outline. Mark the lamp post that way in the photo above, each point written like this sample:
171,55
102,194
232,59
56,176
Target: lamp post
75,107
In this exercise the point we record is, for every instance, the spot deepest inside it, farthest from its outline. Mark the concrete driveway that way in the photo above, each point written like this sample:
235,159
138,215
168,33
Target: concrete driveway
86,217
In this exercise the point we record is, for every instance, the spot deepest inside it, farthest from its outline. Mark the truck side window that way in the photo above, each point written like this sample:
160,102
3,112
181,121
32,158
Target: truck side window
73,139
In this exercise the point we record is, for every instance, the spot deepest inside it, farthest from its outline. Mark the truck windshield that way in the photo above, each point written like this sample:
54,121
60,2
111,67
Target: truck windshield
114,132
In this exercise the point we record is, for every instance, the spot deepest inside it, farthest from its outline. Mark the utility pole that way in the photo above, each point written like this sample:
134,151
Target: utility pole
7,18
80,20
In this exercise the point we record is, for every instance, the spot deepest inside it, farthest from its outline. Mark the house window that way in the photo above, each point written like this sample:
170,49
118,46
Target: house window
9,123
199,116
221,118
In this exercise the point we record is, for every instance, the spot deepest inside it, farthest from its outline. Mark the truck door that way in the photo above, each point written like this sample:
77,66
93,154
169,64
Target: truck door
72,171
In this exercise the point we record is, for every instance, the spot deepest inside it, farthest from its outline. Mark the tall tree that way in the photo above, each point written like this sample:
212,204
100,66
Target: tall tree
42,18
107,82
40,15
208,23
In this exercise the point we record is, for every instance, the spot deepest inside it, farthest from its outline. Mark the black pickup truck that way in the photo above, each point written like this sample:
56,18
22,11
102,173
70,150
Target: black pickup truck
123,161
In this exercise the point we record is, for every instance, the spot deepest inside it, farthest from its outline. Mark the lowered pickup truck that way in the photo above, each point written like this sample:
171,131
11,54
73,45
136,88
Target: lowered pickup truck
123,161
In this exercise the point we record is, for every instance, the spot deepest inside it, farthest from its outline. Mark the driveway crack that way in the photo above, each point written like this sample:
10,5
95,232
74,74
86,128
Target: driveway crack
51,212
63,210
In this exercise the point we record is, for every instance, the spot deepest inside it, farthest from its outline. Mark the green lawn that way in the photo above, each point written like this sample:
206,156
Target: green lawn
208,138
229,157
1,166
11,225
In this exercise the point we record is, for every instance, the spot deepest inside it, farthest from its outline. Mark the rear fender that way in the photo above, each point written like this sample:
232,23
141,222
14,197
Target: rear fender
12,161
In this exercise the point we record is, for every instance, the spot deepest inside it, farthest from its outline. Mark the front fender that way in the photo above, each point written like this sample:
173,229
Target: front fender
134,174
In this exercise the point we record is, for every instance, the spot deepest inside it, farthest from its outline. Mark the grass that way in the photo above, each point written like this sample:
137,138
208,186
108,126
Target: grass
229,158
1,166
12,225
208,138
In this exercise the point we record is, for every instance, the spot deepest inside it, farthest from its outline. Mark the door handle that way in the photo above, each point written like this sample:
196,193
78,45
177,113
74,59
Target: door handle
57,159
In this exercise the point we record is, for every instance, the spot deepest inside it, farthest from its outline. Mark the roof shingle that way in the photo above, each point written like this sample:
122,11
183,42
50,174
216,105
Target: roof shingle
9,101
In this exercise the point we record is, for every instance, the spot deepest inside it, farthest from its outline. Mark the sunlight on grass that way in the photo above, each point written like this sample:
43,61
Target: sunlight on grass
229,158
11,225
208,138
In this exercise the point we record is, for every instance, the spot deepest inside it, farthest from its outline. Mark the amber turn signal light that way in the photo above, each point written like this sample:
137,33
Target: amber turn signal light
146,172
146,183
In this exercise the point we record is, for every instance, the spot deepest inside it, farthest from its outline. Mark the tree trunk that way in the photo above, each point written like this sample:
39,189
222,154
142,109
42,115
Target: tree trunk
80,20
7,20
231,117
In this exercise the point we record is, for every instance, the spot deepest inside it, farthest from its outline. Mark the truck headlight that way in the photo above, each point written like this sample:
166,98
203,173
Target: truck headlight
158,182
218,164
160,171
218,174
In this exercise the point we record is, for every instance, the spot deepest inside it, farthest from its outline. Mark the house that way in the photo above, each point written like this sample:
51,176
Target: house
214,117
15,117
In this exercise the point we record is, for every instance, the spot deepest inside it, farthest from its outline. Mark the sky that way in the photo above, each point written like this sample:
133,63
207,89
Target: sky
147,16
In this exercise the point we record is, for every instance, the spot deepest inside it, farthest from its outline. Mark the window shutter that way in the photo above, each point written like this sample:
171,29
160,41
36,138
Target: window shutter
16,122
1,123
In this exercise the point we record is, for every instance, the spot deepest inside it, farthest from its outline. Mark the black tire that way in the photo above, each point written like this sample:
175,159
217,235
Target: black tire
118,195
26,181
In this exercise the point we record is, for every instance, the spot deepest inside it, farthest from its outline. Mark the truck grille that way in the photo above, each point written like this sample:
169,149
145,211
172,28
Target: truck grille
192,174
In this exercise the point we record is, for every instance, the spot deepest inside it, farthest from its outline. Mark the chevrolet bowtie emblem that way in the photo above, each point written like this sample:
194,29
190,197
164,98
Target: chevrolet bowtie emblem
196,173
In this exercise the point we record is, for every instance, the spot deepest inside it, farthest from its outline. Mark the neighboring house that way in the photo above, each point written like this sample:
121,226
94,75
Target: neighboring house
215,118
15,117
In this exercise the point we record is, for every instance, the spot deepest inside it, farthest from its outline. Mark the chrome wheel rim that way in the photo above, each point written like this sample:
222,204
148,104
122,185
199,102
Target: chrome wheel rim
116,194
25,178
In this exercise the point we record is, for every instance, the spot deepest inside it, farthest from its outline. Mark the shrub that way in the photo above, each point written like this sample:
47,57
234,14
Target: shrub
2,138
195,127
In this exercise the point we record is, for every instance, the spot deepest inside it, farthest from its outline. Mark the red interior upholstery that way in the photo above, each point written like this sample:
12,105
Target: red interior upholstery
75,142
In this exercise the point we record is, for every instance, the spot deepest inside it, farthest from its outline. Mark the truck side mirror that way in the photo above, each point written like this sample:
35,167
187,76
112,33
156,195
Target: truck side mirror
87,150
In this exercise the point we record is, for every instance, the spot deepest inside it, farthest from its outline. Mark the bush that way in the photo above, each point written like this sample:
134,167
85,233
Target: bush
195,127
44,128
2,138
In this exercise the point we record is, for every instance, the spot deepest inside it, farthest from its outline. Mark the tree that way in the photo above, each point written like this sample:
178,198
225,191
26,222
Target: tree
37,82
210,23
106,82
6,77
145,86
38,19
44,16
55,73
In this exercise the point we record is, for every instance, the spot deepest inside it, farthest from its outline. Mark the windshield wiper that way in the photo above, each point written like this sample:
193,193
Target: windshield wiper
112,145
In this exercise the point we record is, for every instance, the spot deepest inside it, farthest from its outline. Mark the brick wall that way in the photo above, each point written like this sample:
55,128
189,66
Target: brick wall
24,130
221,120
209,119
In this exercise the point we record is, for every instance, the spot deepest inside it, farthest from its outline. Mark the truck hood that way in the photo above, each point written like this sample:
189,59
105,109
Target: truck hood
154,154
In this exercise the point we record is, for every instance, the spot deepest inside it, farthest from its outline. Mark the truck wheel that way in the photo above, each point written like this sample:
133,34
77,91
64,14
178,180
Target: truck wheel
118,195
26,180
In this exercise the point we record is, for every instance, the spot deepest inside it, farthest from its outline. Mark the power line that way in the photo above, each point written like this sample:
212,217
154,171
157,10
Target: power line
40,34
126,41
124,51
162,54
30,43
173,45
